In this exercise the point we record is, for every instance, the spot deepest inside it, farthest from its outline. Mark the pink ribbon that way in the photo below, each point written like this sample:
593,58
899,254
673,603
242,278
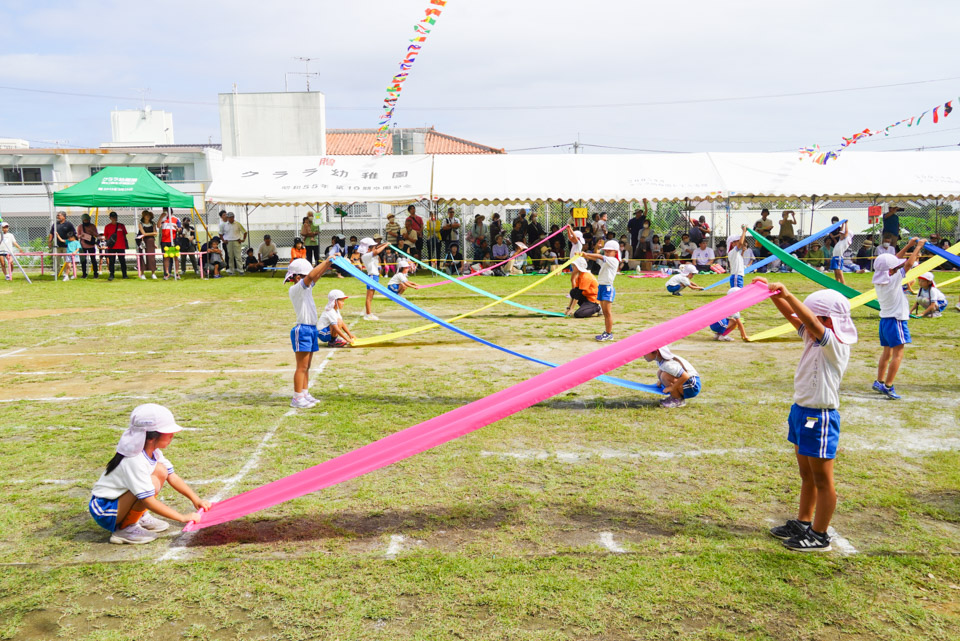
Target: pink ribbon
477,414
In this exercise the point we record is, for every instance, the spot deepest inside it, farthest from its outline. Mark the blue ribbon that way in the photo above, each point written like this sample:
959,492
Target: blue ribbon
947,256
346,266
792,248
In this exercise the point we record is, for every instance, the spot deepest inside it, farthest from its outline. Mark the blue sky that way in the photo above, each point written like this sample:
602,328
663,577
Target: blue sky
485,60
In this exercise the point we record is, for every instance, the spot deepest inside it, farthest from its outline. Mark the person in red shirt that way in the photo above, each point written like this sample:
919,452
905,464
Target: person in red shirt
417,224
115,234
169,226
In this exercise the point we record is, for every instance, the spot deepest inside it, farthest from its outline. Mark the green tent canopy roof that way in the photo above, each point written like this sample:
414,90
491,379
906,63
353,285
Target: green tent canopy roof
122,187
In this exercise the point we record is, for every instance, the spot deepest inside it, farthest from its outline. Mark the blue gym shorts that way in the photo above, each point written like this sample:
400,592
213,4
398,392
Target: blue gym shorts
815,432
836,262
375,279
692,387
606,292
104,512
736,280
674,288
305,338
720,327
894,332
324,335
394,288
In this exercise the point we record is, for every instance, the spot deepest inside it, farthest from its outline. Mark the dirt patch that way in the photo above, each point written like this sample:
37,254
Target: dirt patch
38,313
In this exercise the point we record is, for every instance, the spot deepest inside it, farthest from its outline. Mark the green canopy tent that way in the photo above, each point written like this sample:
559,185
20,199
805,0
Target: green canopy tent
114,187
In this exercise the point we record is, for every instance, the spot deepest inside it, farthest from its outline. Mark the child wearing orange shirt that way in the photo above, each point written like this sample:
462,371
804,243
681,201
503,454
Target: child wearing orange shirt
584,291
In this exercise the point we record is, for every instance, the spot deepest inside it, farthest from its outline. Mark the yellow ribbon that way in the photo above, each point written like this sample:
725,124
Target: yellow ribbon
373,340
864,298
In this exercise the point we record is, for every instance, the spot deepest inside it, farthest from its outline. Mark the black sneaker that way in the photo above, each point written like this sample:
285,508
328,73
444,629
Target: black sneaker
809,541
788,530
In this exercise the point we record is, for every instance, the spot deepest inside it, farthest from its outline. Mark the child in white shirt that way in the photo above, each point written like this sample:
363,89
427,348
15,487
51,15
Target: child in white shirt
609,264
576,247
304,336
823,322
930,301
722,328
332,330
684,279
370,251
399,282
836,261
134,476
676,375
735,247
889,270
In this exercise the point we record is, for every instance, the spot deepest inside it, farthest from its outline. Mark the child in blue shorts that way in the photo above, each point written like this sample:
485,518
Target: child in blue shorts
684,279
676,375
134,476
930,301
823,322
332,330
609,264
400,281
304,336
889,270
722,328
370,250
839,249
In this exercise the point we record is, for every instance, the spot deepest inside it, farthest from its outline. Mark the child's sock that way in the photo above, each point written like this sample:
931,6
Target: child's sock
804,523
132,517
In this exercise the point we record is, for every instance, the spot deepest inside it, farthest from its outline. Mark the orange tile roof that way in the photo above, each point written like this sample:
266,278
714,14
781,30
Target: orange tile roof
359,142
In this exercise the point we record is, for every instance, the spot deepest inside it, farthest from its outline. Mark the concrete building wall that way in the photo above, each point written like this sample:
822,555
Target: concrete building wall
273,124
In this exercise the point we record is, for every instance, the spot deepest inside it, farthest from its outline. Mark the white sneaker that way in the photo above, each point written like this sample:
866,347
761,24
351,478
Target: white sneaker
310,398
301,403
142,277
133,534
153,276
152,524
371,317
726,339
65,278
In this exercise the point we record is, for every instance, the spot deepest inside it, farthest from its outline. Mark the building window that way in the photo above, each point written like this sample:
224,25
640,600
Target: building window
22,175
167,174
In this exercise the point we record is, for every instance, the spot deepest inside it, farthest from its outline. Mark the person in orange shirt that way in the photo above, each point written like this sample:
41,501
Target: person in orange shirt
584,291
298,250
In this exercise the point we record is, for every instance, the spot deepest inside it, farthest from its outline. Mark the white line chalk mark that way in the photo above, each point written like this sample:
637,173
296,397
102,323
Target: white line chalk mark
606,540
395,546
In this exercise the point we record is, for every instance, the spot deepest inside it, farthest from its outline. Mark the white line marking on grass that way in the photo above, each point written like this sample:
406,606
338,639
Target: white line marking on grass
14,352
281,370
149,352
606,540
44,399
119,322
581,455
843,546
395,546
178,546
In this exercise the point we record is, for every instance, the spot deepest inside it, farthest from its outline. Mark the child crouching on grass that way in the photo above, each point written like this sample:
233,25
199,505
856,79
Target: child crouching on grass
823,322
676,375
133,479
400,281
333,331
684,279
930,301
722,328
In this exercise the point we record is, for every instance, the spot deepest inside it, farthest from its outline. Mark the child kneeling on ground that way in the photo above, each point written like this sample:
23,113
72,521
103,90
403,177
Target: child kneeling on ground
400,281
684,279
676,375
584,292
133,479
823,322
333,331
722,328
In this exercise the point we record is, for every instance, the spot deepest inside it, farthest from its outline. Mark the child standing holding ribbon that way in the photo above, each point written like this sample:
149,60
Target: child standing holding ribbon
823,322
609,263
304,336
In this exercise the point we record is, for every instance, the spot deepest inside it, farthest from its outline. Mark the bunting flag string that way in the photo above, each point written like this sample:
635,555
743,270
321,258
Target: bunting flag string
396,86
822,157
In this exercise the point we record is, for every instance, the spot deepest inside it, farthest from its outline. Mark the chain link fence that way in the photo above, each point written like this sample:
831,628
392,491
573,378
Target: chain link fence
28,210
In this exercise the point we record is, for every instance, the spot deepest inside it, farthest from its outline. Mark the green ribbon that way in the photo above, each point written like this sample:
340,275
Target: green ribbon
812,273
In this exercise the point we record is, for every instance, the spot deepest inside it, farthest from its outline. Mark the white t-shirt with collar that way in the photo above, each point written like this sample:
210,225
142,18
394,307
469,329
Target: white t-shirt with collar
371,262
301,295
329,317
735,258
703,256
608,270
816,382
133,475
893,302
398,278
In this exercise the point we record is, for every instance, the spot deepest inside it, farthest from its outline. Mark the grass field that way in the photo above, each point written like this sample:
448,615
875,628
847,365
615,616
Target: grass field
596,515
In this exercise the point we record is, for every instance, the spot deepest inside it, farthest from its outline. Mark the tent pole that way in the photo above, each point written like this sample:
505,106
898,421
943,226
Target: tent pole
196,217
813,211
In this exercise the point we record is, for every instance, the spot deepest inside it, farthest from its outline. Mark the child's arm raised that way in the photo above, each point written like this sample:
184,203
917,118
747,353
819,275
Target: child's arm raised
793,309
317,272
914,257
592,256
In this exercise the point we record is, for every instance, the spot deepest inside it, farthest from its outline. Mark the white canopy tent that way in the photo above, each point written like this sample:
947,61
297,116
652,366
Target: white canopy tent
487,179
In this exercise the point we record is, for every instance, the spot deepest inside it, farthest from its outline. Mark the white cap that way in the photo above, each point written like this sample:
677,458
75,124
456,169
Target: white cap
732,240
520,245
365,244
927,276
298,267
579,235
148,417
688,269
333,297
665,352
836,307
4,224
402,264
580,263
882,266
611,245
